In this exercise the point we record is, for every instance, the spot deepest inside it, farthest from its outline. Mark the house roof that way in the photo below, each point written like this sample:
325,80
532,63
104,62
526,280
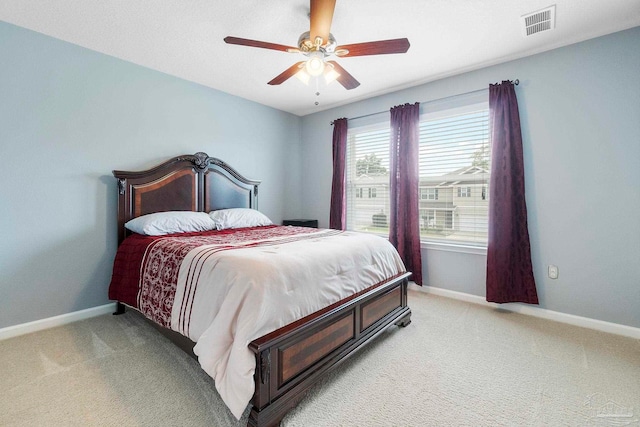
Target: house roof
463,176
470,175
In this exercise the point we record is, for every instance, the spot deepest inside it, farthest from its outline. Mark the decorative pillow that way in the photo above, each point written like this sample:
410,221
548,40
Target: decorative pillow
157,224
238,218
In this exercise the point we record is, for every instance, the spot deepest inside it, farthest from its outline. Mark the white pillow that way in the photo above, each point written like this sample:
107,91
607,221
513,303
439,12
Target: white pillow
157,224
238,218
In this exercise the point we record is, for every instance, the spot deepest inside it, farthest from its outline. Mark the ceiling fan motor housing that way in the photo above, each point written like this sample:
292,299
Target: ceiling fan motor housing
306,45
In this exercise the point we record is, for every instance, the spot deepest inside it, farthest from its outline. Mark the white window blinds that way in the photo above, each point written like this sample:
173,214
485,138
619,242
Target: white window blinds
454,160
368,174
454,172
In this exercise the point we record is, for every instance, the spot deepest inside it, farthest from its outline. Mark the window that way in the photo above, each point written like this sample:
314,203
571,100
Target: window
429,193
368,167
464,191
454,171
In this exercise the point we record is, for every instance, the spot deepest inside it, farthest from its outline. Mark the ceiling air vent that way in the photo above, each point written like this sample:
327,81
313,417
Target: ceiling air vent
537,22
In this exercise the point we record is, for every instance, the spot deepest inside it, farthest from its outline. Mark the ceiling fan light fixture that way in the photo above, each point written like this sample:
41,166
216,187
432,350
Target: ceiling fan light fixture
330,74
303,76
315,64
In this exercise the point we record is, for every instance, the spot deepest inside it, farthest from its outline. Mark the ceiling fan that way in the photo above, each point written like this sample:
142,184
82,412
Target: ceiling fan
318,44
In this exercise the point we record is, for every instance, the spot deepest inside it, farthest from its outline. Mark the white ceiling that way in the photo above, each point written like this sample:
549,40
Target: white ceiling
183,38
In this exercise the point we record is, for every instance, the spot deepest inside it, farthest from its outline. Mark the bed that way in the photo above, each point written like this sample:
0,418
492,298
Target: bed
288,360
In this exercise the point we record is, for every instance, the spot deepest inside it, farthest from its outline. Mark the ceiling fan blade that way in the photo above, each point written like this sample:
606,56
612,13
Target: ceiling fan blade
345,79
380,47
286,74
257,43
321,16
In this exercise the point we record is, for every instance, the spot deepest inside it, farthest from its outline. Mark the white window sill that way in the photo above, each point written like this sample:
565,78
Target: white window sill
444,246
454,247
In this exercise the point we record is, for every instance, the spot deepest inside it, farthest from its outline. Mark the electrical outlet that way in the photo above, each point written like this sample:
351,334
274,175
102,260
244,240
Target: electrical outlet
552,271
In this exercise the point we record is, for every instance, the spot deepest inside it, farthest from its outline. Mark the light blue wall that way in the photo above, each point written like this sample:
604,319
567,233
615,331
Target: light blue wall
580,113
68,117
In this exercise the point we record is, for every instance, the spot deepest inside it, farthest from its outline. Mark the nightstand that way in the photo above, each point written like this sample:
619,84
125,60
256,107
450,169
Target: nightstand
312,223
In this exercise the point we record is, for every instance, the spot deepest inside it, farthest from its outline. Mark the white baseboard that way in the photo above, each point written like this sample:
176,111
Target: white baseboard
51,322
531,310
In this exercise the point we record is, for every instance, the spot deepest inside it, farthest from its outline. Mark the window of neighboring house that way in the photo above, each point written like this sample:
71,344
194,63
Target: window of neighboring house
464,191
448,220
429,193
454,147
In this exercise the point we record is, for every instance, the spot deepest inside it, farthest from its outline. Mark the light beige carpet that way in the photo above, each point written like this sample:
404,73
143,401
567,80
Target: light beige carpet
456,364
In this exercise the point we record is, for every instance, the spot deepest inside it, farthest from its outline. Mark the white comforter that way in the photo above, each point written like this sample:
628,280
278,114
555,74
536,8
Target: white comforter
227,298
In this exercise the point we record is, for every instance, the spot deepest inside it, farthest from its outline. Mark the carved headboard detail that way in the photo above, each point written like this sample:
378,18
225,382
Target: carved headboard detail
191,182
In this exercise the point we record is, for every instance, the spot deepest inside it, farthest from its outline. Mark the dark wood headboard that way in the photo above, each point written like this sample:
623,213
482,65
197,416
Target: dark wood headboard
192,182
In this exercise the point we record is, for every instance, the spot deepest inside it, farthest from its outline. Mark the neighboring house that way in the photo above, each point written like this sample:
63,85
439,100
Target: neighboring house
455,203
369,196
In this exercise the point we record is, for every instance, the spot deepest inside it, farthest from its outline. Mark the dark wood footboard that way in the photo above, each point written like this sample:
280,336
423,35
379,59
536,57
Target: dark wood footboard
292,359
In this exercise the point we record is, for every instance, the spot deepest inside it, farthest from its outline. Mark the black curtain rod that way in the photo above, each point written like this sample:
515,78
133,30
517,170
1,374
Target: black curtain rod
515,82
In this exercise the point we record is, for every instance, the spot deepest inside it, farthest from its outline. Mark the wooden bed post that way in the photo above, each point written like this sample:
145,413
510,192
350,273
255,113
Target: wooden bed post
120,308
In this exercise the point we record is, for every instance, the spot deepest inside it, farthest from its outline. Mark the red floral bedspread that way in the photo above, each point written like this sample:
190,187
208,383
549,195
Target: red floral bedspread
145,269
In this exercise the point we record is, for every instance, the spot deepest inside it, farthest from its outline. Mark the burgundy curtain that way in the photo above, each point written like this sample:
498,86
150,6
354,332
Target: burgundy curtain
338,210
404,229
509,270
